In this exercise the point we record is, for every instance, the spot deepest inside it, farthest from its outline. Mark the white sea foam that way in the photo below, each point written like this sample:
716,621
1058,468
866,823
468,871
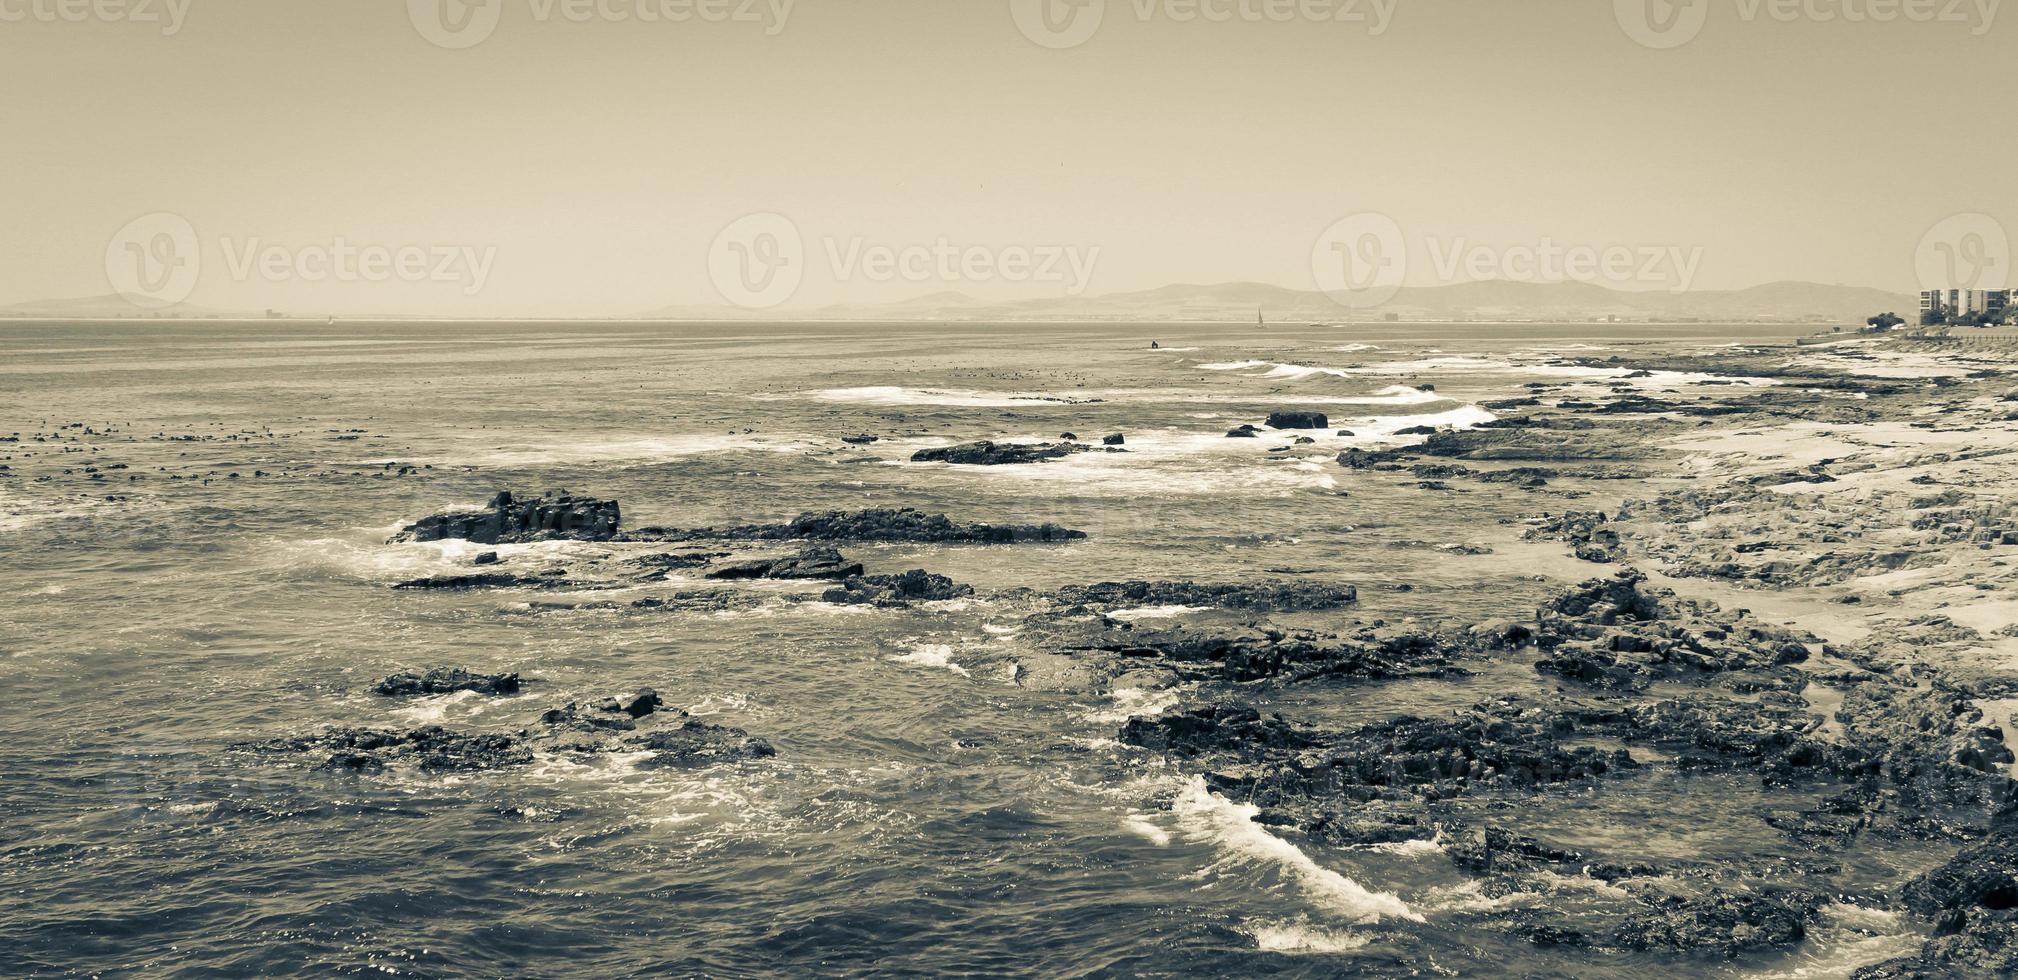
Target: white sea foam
950,397
1133,702
434,710
1206,816
1410,848
938,655
1383,428
1234,365
1158,463
1297,371
1301,936
1155,612
1851,938
573,450
1355,348
1140,825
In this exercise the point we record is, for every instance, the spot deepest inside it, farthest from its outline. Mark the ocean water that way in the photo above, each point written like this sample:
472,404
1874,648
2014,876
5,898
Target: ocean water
948,797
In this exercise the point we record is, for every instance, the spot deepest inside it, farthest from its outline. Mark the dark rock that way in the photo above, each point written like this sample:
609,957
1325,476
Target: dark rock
637,705
1298,420
1214,728
487,558
1274,596
1586,533
571,715
1114,440
817,562
446,680
1243,432
433,748
1725,922
481,580
507,520
916,585
904,524
861,440
996,454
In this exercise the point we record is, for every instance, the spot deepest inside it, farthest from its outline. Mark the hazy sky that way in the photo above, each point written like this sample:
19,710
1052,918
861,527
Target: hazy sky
588,167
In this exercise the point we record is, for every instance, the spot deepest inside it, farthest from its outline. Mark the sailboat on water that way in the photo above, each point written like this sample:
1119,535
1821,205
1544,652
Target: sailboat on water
1259,320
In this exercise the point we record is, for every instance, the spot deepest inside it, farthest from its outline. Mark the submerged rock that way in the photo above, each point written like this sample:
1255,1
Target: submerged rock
700,744
508,520
433,748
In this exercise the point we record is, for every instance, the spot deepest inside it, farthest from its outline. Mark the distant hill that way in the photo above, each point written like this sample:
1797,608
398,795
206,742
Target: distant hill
1487,300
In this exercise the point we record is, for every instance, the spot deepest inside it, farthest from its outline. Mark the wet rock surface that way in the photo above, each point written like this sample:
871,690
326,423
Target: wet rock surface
507,519
916,585
901,524
446,680
1263,597
998,454
818,562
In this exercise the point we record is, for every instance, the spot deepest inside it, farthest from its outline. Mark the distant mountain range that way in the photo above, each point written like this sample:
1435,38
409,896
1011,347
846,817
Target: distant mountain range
1495,300
1237,302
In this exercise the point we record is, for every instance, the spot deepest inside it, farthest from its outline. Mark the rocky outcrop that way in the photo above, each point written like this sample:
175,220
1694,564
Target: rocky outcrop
916,585
507,520
1285,596
1972,900
1587,534
446,680
1724,922
905,524
486,580
432,748
986,453
1298,420
817,562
